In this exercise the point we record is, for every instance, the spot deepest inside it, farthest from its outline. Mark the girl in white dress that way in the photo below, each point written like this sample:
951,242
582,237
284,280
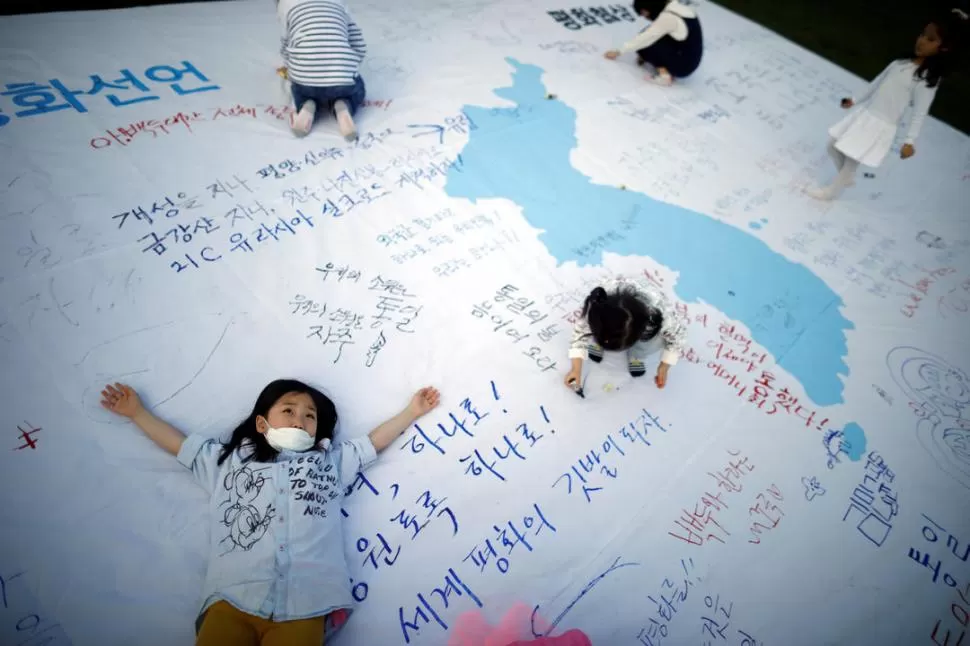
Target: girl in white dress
867,134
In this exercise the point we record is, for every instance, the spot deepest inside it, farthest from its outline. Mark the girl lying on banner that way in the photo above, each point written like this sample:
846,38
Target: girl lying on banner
277,574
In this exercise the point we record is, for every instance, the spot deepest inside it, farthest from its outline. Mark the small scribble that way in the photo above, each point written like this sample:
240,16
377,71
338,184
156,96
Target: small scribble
61,307
113,346
375,348
586,590
502,36
834,446
812,488
882,393
930,240
850,441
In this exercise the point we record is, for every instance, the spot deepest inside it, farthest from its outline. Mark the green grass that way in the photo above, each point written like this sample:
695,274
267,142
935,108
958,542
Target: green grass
862,36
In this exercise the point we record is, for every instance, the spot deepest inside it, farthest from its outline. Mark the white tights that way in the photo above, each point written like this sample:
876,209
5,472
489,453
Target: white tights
846,167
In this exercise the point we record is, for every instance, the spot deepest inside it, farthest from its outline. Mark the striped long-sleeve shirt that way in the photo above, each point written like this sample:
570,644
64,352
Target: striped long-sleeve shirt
322,45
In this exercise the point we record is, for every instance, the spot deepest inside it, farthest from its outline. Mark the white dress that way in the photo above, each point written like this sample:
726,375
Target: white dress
867,133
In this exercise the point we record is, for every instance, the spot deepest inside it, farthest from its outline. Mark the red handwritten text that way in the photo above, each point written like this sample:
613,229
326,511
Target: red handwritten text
961,612
124,135
695,522
921,289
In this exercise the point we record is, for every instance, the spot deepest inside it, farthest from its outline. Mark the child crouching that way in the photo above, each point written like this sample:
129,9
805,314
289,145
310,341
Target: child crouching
322,48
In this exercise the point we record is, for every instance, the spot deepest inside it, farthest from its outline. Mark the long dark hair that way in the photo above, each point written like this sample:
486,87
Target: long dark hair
952,30
653,7
247,434
618,320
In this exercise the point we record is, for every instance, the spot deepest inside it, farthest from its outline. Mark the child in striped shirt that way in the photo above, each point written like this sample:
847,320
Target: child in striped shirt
322,48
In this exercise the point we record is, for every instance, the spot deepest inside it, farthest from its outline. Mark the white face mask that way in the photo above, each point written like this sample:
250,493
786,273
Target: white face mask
289,439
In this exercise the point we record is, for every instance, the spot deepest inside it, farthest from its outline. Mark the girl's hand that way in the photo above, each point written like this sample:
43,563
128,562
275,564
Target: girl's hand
847,103
907,151
421,404
573,378
424,401
612,54
661,378
121,400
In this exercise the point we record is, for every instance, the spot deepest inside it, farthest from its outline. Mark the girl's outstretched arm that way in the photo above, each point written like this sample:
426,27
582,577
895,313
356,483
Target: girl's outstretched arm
422,403
123,400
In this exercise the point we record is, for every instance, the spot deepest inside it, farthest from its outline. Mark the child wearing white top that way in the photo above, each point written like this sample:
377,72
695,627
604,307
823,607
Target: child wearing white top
867,134
673,43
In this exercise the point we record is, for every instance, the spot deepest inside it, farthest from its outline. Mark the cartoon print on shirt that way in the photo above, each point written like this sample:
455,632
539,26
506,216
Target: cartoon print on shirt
245,522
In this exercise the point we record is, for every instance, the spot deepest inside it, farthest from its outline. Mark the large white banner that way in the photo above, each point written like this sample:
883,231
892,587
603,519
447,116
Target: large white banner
802,479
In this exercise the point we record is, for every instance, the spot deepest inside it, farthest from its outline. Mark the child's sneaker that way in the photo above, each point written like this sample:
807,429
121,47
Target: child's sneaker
636,367
344,121
302,121
595,353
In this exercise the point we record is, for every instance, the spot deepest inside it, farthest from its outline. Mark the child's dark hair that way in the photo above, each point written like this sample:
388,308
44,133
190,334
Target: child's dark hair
952,28
619,320
246,432
653,7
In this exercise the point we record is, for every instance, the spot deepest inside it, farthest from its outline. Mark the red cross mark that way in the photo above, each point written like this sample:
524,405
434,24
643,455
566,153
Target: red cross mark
26,436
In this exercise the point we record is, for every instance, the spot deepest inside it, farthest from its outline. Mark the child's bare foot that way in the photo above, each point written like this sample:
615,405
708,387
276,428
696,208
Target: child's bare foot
302,121
344,121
